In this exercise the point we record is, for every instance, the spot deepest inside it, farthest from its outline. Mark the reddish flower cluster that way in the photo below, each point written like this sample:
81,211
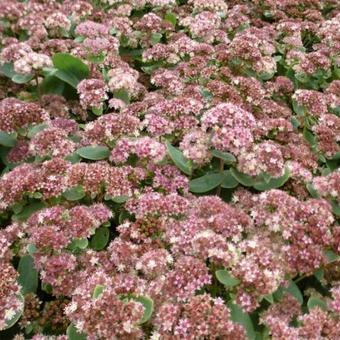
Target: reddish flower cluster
169,169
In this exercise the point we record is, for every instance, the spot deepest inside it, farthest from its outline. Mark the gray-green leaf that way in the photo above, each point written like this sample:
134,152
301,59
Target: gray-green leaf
148,307
94,153
239,316
205,183
100,238
13,320
73,334
316,302
75,193
8,139
178,158
225,278
70,69
28,276
225,156
243,179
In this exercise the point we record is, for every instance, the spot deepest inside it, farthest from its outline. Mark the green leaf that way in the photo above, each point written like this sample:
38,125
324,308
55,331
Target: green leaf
98,111
331,256
273,183
156,37
8,139
100,239
22,78
226,156
31,249
70,69
295,122
28,276
266,75
319,274
264,335
309,137
206,94
313,192
78,243
30,209
294,290
243,179
316,302
68,78
239,316
335,208
46,287
229,181
9,323
120,199
79,39
336,156
178,158
49,71
94,153
298,109
73,158
74,194
171,17
332,164
72,333
123,95
149,68
33,130
225,278
269,298
52,84
98,290
205,183
7,70
148,307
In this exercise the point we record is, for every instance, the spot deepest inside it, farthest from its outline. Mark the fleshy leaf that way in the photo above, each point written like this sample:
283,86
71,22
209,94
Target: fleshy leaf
205,183
316,302
94,153
225,278
70,69
273,183
178,158
243,179
28,276
148,307
229,181
294,290
7,139
239,316
98,290
100,238
13,320
73,334
225,156
74,194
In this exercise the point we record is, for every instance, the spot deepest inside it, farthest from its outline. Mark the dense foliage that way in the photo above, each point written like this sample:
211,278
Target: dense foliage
170,169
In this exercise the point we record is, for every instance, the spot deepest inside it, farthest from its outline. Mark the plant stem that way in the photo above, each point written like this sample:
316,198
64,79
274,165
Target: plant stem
221,169
38,87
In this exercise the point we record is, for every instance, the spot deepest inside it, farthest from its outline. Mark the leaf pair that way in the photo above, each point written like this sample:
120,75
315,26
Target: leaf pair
210,181
261,183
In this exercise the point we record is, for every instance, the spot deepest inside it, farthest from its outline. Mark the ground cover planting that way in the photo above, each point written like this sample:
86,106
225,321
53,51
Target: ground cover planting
169,169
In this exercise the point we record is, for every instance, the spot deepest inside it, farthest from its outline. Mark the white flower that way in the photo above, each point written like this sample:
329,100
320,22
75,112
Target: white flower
70,308
155,336
127,326
9,314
